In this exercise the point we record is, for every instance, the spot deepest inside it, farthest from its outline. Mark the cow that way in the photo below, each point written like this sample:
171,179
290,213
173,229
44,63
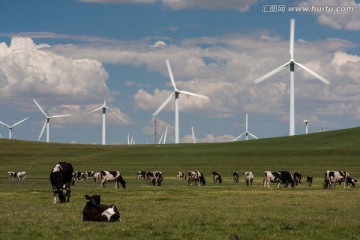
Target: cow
89,174
97,177
216,176
11,175
309,180
350,182
180,175
61,180
94,211
154,178
196,177
249,178
332,178
112,176
297,178
286,178
236,177
77,176
270,177
141,174
21,175
150,178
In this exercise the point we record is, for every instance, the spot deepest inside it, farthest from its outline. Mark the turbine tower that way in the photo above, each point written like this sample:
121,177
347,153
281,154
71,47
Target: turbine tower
104,107
11,127
306,126
47,121
246,133
291,64
176,94
193,134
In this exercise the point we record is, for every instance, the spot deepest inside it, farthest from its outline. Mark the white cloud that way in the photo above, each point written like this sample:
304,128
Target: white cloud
338,14
209,4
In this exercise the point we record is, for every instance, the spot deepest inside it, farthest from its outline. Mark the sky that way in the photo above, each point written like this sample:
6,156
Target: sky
71,55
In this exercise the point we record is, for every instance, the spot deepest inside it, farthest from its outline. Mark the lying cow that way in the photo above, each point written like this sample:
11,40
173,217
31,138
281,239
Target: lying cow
61,180
196,177
309,180
112,176
216,176
180,175
236,176
94,211
249,178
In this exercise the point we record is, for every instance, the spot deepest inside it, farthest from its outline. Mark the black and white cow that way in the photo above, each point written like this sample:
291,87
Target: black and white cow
112,176
180,175
236,176
249,178
89,174
271,177
94,211
309,180
154,178
78,176
11,175
297,178
141,174
61,179
97,177
350,182
332,178
216,176
196,177
286,178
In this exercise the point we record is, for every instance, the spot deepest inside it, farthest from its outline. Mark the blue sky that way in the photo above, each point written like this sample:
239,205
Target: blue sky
69,55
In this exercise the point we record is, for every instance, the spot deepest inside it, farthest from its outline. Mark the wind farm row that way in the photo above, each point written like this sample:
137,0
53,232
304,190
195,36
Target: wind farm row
176,95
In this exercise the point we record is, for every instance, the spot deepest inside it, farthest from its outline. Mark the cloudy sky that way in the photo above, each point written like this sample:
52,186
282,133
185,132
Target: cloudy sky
70,55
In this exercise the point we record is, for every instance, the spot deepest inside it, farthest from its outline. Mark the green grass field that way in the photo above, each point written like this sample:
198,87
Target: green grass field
175,210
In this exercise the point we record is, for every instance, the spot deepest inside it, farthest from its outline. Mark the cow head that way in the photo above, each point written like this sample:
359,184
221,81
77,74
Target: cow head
94,199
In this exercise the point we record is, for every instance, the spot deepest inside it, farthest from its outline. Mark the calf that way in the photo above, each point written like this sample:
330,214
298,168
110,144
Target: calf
180,175
236,177
140,174
94,211
196,177
249,177
216,176
112,176
309,180
61,179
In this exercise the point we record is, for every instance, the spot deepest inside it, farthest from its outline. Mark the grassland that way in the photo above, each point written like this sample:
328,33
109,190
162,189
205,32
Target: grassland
175,210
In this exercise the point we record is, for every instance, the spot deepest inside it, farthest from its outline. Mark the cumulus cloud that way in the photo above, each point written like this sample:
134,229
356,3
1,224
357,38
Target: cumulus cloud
337,14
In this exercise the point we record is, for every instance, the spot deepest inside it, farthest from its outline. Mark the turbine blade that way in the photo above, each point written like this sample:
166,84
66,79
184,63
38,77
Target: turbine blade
292,33
40,108
20,122
253,135
4,124
59,116
273,72
194,94
163,105
96,109
116,115
313,73
238,137
170,73
42,130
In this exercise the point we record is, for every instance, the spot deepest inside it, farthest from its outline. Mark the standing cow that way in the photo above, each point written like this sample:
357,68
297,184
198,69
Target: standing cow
297,178
249,178
112,176
216,176
61,178
196,177
236,176
270,177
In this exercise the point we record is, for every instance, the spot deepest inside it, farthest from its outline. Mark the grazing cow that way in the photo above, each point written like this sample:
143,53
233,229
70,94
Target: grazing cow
297,178
286,178
332,178
216,176
196,177
21,175
141,174
94,211
236,177
97,177
271,177
61,178
249,178
180,175
150,178
309,180
350,182
12,175
159,177
112,176
89,174
77,176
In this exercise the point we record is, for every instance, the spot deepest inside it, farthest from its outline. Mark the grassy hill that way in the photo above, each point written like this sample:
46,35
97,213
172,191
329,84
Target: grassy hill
176,210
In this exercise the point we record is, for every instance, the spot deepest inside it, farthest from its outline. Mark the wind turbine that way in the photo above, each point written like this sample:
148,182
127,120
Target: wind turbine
246,133
291,64
47,121
104,107
193,134
11,127
176,94
306,126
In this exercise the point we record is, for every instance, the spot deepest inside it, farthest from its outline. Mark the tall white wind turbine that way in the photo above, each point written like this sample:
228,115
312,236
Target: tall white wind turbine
47,121
291,65
176,94
104,107
12,126
246,133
